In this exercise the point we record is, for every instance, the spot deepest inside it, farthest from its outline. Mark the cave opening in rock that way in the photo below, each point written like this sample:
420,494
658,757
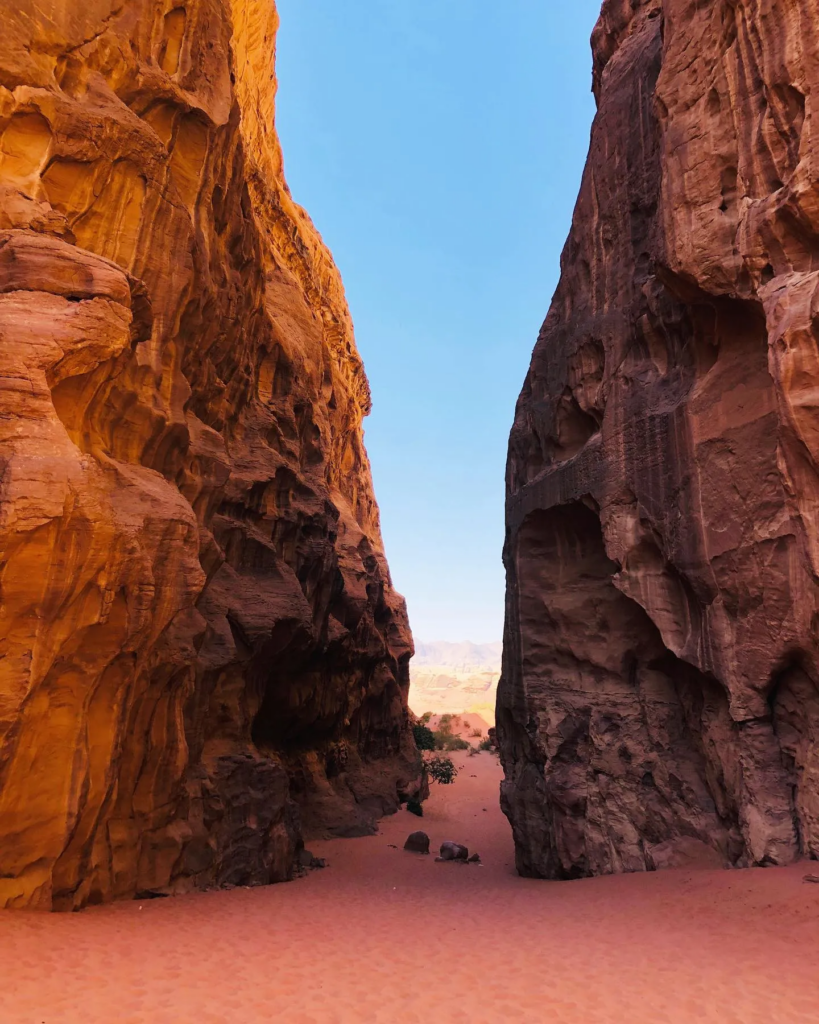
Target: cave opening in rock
793,700
629,740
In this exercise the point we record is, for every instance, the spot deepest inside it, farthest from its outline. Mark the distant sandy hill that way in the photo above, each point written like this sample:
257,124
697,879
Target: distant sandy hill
453,678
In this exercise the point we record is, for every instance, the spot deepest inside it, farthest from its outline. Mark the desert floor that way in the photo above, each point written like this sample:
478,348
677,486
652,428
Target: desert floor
382,935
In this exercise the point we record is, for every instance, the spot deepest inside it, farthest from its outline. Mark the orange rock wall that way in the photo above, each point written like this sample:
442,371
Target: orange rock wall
201,654
660,694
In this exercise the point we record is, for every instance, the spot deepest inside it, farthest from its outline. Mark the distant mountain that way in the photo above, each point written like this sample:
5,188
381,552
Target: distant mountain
455,678
458,656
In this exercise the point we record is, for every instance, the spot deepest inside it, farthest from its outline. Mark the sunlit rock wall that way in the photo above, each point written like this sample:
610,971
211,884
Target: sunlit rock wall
201,653
659,701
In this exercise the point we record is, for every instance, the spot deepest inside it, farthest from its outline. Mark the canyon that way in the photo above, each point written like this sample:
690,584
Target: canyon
203,660
202,657
659,701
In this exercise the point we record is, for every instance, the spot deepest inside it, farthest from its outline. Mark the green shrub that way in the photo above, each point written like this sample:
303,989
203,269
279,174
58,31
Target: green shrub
415,808
485,744
424,737
443,732
477,733
425,718
440,769
456,743
446,741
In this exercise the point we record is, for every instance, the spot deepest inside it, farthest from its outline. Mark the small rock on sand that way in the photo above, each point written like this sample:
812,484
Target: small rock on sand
417,842
453,851
307,860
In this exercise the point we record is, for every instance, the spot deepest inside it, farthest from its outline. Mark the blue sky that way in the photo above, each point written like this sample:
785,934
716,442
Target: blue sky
438,146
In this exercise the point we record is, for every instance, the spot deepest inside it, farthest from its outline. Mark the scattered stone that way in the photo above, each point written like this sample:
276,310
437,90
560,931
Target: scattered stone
811,878
307,860
475,858
453,851
417,842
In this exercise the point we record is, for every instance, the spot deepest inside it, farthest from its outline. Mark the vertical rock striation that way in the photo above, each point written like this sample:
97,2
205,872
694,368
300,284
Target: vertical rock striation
660,693
201,653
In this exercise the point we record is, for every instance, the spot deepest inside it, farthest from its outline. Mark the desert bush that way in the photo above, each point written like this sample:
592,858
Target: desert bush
424,737
425,718
446,741
476,732
485,744
443,731
414,807
440,769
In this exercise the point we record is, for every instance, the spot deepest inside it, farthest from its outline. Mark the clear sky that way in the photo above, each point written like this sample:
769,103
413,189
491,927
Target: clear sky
438,146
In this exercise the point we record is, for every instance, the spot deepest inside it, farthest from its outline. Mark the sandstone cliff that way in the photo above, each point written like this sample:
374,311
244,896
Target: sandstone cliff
659,699
201,653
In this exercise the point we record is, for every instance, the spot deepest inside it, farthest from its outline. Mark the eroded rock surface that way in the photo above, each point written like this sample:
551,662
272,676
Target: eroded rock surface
660,694
201,653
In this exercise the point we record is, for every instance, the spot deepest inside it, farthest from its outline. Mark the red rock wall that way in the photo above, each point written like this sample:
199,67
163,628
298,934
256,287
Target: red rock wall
201,654
660,694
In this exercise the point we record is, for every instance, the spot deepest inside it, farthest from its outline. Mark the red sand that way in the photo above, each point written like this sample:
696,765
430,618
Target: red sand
387,936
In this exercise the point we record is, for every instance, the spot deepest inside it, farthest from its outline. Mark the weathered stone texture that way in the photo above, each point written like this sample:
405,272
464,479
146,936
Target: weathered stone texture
201,653
660,692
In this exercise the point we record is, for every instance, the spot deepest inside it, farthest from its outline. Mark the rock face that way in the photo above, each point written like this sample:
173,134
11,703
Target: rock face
660,691
201,653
